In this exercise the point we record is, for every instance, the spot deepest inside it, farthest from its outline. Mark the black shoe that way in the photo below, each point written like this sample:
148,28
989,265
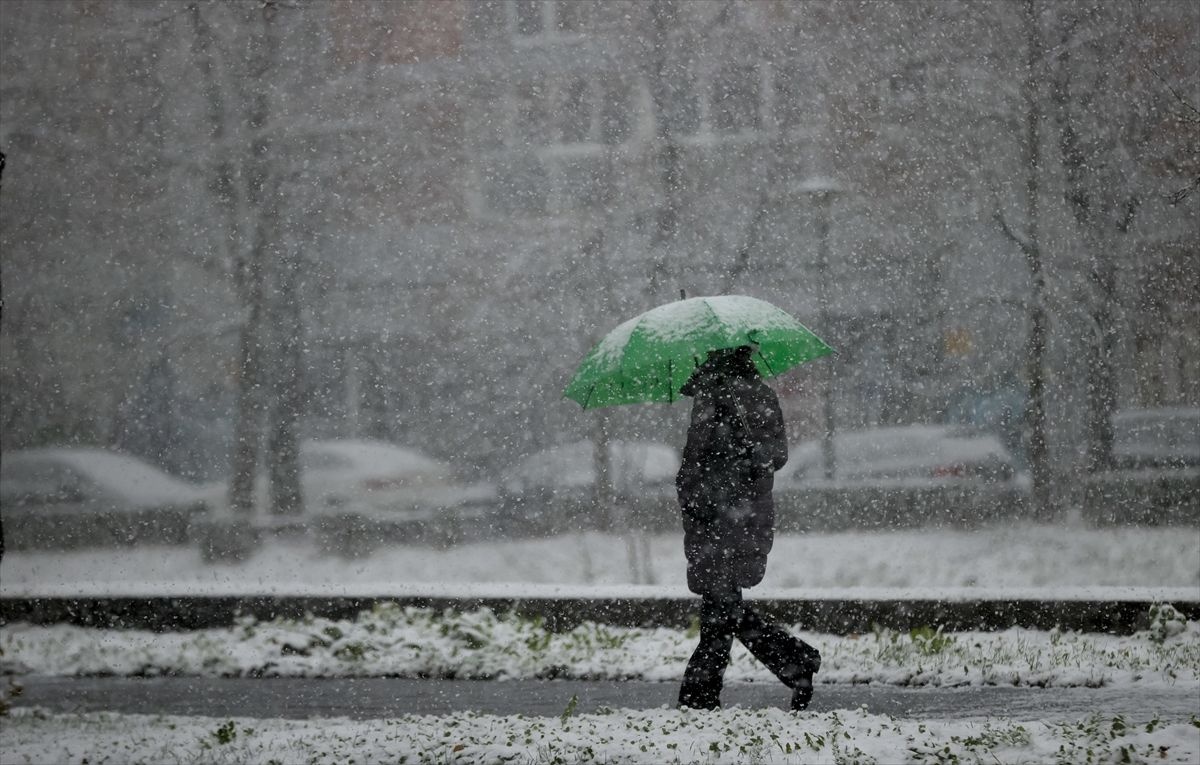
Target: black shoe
701,700
802,691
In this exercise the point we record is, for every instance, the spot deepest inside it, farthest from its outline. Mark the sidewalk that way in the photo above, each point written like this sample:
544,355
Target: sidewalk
381,698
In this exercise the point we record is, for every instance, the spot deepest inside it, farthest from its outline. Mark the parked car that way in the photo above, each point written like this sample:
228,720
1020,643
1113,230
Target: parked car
924,453
1167,437
66,497
361,493
376,476
1155,477
900,475
554,490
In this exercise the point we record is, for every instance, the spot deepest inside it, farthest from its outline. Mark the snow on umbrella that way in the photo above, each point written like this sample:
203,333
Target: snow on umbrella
651,356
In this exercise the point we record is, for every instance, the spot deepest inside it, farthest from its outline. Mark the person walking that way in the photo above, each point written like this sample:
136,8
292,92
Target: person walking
735,443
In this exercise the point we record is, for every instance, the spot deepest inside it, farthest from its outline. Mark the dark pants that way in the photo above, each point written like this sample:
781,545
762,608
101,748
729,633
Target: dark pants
723,617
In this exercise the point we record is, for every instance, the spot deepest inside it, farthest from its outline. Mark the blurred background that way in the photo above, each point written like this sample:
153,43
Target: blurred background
245,242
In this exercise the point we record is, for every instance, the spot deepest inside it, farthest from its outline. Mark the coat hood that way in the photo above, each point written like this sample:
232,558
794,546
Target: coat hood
721,366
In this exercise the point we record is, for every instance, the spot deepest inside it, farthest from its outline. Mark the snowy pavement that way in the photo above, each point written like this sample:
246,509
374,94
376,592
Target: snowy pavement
323,691
383,698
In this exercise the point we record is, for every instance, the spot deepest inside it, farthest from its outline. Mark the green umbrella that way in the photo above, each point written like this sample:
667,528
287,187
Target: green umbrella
651,356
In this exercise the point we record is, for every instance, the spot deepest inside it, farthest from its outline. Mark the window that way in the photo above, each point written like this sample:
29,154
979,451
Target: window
594,112
529,17
575,114
376,33
535,17
797,100
682,109
516,187
572,15
735,99
533,114
586,182
615,125
490,122
485,18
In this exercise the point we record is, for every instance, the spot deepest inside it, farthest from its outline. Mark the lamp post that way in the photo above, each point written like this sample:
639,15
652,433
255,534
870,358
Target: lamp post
822,191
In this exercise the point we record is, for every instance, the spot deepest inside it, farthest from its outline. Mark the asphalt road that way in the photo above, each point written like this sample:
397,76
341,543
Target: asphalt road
377,698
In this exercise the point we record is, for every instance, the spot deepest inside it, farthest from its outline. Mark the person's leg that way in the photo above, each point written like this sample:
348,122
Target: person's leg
790,659
705,672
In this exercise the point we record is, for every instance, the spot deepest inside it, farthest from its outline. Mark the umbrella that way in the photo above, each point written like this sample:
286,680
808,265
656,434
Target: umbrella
651,356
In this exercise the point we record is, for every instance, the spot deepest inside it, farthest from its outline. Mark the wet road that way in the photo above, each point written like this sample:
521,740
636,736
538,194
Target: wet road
376,698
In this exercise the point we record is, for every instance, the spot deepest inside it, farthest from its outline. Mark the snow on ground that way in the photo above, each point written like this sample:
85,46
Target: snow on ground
1053,561
410,642
1027,556
628,736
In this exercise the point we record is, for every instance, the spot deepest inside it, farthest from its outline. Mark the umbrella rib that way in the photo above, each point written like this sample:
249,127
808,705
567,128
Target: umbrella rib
711,310
764,360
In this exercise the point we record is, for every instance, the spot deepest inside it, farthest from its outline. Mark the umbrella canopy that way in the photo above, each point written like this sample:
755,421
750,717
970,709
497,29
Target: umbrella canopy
651,356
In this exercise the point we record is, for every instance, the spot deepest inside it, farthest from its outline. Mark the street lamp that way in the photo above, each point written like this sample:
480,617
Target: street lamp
822,191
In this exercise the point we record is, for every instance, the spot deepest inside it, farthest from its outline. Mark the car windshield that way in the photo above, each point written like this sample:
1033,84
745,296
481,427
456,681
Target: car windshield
368,457
127,477
1166,433
25,480
884,445
897,451
322,460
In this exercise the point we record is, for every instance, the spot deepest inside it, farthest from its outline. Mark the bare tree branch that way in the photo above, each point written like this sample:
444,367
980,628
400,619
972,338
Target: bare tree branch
1185,192
1016,238
1132,205
1194,117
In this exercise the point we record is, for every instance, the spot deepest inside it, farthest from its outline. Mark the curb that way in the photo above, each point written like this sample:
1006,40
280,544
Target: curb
832,616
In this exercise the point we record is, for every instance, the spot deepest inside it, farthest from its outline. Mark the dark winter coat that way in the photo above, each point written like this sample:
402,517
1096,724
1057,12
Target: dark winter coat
735,443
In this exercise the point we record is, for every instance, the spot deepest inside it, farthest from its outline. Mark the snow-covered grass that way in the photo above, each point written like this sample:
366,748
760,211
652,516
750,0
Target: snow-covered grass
1026,556
410,642
1032,560
394,641
659,736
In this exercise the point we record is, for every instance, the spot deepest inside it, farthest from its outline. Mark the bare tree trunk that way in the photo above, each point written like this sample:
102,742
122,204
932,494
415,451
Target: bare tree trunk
1035,365
829,379
3,158
263,195
283,449
247,426
1101,385
667,153
248,275
647,569
1083,198
1105,405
